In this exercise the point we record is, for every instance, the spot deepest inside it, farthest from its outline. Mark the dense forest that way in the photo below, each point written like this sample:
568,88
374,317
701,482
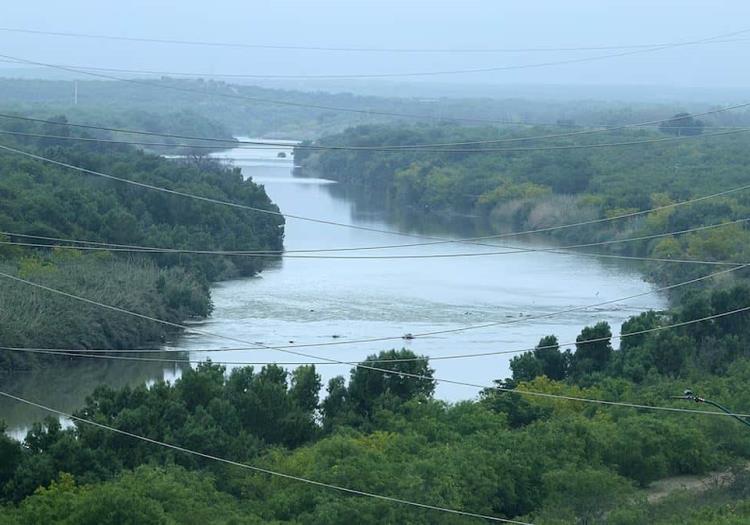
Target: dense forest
503,454
50,201
537,184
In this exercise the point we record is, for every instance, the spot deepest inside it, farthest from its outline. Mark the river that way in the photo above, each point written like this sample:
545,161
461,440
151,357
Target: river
338,301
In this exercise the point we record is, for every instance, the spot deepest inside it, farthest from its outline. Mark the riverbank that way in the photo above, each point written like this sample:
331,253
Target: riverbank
605,192
70,232
311,300
36,318
338,302
278,417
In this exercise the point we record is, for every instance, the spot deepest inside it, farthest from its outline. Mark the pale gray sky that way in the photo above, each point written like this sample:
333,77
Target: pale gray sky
403,23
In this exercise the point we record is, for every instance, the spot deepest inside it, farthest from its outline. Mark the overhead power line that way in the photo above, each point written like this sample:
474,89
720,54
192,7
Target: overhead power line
388,149
152,251
377,369
295,47
486,69
422,334
238,96
246,98
290,349
100,353
260,469
437,240
235,143
302,254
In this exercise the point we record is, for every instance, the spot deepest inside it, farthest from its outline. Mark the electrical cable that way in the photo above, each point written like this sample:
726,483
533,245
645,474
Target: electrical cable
438,240
296,254
100,353
676,138
244,142
490,69
331,48
410,335
237,96
343,76
281,254
385,370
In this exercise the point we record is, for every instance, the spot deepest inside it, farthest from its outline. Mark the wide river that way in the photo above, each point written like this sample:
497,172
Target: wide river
324,301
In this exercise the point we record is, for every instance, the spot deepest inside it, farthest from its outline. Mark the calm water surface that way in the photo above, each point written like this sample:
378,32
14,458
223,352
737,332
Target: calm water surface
313,300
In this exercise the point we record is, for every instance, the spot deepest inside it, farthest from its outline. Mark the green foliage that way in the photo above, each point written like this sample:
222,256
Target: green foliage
508,454
584,494
47,200
52,201
633,327
568,463
526,367
192,110
593,349
369,388
521,190
145,496
546,359
36,318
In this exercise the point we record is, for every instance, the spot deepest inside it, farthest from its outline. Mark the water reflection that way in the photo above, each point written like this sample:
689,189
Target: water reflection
64,385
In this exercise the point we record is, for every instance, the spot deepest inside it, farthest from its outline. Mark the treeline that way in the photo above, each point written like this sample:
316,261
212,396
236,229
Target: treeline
540,459
647,349
185,122
46,200
310,114
535,189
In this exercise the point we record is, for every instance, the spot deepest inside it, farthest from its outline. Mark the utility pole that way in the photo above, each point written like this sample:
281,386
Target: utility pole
690,396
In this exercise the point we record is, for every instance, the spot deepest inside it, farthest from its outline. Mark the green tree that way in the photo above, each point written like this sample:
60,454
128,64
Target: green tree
198,386
336,403
554,363
305,388
632,328
592,356
525,367
367,387
11,455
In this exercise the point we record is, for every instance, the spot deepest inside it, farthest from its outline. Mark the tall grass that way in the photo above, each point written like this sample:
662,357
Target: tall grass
32,317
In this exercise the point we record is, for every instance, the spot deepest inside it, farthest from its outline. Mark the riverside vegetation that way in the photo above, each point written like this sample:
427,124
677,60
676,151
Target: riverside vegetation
524,190
52,201
503,454
549,461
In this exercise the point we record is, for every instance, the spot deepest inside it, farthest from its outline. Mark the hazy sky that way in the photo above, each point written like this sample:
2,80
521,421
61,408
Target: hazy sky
403,23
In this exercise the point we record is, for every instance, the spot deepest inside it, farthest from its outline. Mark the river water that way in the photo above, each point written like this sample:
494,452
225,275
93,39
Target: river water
323,301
